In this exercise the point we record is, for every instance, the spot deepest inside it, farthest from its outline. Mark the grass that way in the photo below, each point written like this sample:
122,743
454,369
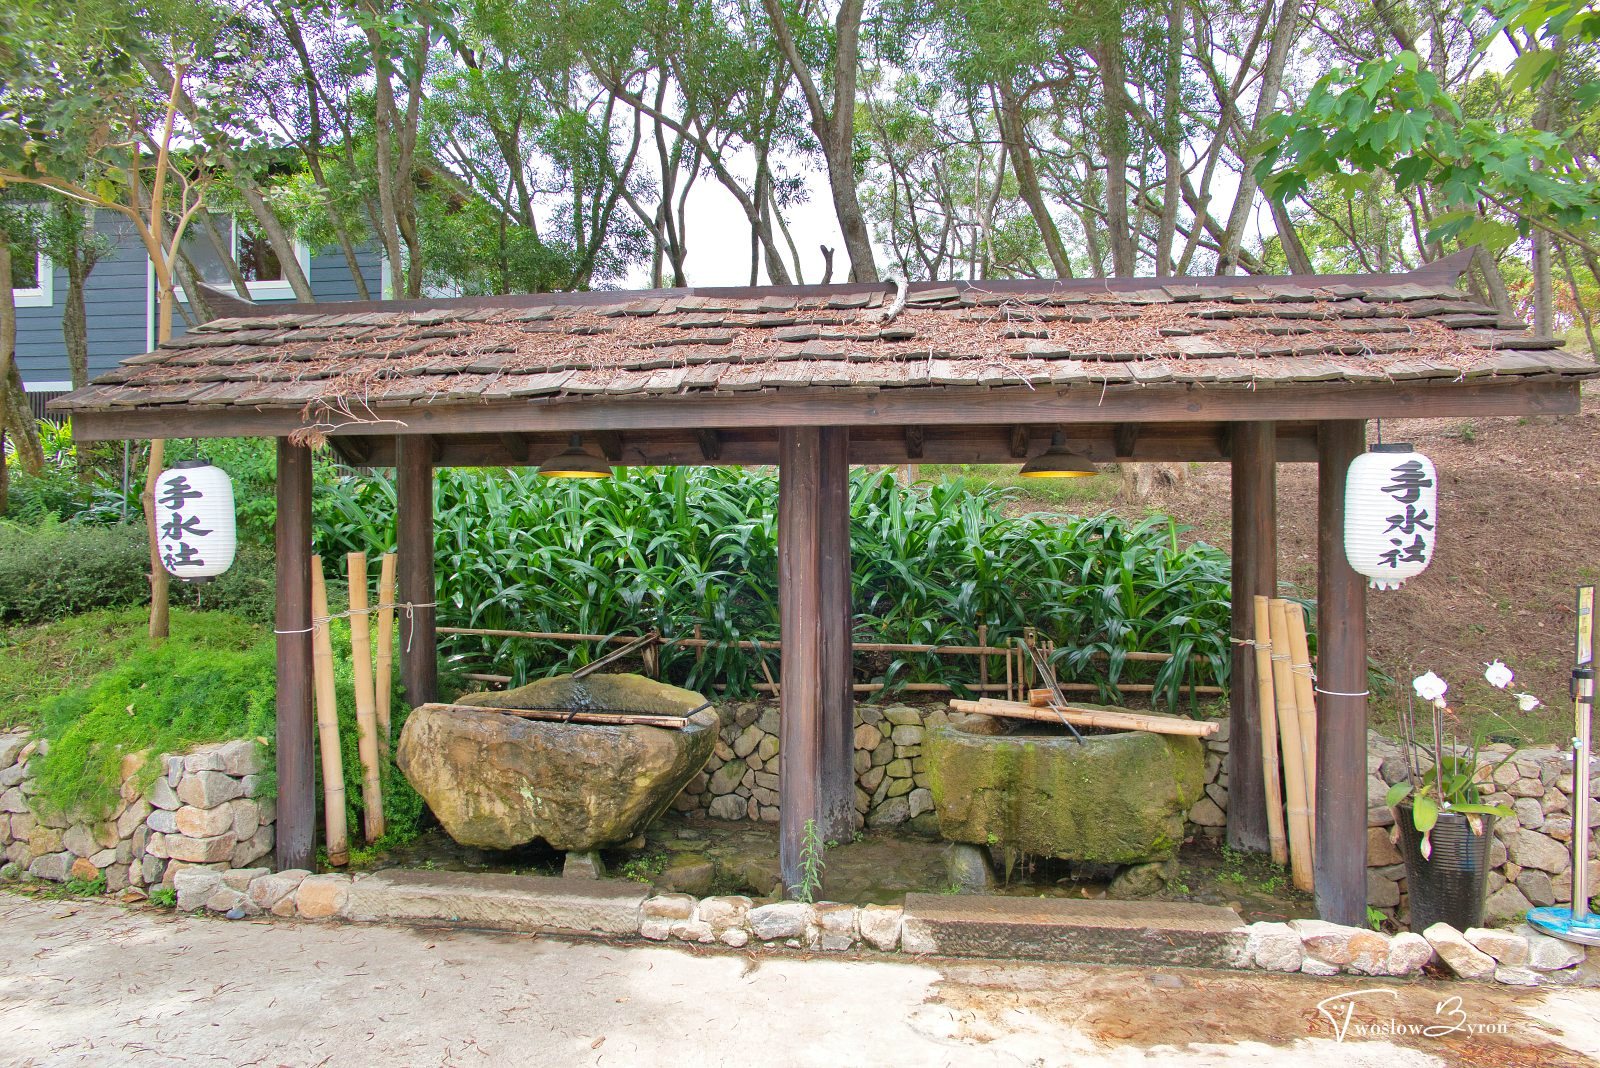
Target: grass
41,661
213,680
1098,490
98,688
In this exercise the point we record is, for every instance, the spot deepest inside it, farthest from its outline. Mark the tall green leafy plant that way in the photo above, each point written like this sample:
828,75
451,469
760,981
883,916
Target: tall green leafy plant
681,548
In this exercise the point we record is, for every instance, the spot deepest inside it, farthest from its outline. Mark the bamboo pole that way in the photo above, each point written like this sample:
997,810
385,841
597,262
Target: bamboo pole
1293,756
366,712
1305,702
1045,698
335,816
617,719
983,660
383,681
1271,770
1089,717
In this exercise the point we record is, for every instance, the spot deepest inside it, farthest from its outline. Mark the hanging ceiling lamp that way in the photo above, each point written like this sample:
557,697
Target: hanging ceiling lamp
575,463
1058,461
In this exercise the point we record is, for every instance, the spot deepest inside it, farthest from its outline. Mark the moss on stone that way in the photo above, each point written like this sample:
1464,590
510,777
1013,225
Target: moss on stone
1120,799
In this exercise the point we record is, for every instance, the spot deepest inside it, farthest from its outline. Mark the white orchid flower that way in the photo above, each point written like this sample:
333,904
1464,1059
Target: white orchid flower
1429,687
1527,702
1497,675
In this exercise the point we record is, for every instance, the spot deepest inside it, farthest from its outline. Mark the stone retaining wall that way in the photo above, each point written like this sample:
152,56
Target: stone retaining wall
1530,859
741,779
201,811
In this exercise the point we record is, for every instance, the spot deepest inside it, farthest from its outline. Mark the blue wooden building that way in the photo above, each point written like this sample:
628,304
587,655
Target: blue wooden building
120,296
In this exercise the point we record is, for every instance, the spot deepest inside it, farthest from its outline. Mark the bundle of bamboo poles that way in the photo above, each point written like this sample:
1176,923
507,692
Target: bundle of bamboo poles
1288,733
373,687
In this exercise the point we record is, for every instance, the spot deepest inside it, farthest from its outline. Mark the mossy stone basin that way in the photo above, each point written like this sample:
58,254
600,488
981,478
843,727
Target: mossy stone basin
1119,799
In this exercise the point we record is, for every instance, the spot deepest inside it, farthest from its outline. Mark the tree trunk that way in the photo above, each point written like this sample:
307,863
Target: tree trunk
1114,142
27,434
1283,35
383,120
835,127
1014,133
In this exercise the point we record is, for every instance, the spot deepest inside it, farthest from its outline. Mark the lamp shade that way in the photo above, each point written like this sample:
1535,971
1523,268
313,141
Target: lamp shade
575,463
194,520
1391,510
1058,461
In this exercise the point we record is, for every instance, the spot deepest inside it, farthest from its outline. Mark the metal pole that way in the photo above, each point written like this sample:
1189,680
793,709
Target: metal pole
1583,716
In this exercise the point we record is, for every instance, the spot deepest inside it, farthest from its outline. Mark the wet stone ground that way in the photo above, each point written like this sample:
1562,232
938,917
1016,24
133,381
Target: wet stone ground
700,856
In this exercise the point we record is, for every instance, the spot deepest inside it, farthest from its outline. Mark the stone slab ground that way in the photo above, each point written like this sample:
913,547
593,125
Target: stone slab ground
1101,932
89,982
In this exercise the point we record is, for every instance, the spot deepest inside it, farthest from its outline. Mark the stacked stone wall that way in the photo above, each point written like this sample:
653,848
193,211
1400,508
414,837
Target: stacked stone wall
202,810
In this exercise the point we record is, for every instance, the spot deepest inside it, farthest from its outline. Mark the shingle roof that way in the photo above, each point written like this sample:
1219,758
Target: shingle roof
1222,332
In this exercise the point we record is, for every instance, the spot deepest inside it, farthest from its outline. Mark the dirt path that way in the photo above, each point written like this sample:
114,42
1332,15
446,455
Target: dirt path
86,980
1519,522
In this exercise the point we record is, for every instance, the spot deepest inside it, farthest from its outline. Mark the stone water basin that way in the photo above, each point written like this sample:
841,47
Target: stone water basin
497,781
1119,799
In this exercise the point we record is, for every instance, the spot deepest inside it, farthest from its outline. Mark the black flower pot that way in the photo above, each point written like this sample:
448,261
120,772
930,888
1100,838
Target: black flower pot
1449,883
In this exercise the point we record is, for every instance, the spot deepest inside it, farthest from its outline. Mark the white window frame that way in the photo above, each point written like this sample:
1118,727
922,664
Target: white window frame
42,295
280,289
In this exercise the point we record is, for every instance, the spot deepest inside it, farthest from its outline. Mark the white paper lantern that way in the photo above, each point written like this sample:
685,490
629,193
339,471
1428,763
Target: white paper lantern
194,520
1391,509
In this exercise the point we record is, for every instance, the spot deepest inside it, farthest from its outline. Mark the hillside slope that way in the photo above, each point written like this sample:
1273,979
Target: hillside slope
1519,509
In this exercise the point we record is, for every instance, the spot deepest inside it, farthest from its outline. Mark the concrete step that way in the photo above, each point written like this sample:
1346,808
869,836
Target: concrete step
1099,932
501,902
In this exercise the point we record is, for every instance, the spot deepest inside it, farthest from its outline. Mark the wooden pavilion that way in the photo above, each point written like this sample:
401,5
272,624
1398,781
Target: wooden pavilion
1252,371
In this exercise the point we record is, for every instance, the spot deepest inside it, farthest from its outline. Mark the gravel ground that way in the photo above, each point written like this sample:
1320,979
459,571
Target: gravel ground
88,982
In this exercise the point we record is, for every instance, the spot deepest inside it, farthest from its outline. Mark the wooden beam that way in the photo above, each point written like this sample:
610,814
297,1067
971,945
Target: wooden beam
355,451
1255,573
895,407
1340,863
836,819
710,445
800,625
515,444
965,444
419,652
915,439
296,833
1126,437
1019,442
610,443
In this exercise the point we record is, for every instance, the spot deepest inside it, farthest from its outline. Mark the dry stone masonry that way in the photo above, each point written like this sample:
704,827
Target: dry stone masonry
200,810
740,781
1530,860
199,827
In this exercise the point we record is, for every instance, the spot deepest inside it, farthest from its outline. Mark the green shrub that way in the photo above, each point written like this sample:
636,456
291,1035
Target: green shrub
58,569
213,680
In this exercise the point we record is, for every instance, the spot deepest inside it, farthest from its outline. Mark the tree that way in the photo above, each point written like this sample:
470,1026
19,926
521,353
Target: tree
78,119
835,53
1501,157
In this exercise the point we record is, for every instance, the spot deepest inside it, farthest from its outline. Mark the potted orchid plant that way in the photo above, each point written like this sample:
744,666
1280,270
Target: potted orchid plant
1445,825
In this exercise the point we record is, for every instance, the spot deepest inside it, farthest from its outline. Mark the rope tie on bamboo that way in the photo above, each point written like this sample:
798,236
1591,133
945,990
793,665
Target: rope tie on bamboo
408,607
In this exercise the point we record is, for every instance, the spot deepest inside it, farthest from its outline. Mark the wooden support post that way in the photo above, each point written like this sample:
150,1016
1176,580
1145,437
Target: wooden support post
419,643
1341,746
836,819
1255,574
800,728
296,833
